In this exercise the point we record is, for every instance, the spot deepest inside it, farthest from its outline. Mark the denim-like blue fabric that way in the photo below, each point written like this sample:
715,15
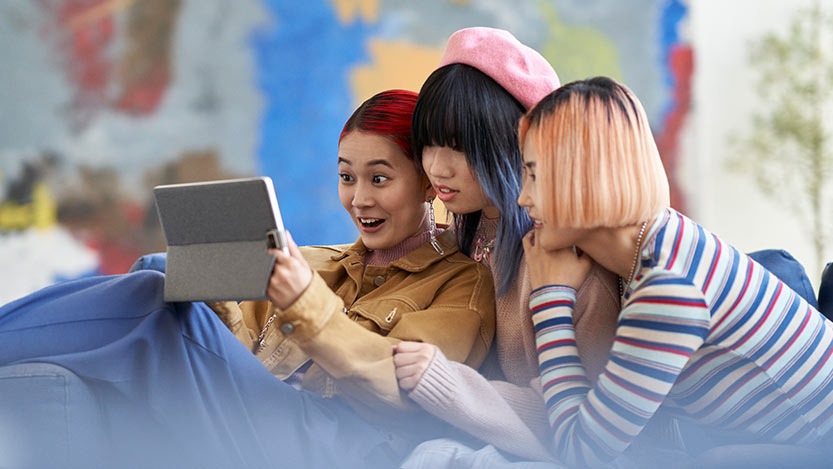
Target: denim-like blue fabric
155,261
167,382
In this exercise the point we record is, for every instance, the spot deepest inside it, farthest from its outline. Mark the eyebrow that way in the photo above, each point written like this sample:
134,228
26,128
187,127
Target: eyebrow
529,164
378,162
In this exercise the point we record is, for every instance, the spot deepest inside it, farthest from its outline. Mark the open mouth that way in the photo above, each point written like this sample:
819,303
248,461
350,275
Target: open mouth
371,222
445,194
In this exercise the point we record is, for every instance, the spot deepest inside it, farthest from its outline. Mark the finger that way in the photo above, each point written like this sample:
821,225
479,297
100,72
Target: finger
280,256
408,383
294,251
529,241
409,346
409,371
405,359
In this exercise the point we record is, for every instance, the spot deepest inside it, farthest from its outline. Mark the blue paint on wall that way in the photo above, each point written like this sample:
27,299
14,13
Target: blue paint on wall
672,15
303,64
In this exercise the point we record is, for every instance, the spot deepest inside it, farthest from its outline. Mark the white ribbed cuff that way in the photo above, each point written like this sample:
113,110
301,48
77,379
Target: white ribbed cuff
436,390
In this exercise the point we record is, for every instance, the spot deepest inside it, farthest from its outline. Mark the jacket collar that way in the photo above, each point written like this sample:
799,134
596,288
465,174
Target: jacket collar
416,261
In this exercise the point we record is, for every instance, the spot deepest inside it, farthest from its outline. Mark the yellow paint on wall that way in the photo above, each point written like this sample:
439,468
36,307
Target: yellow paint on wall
14,216
348,10
41,213
578,52
44,208
399,64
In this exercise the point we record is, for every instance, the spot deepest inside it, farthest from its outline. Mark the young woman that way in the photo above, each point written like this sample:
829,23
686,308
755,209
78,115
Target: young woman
175,388
332,327
465,136
704,332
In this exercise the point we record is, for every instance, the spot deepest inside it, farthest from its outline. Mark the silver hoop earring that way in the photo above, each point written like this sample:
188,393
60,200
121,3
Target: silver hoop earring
432,228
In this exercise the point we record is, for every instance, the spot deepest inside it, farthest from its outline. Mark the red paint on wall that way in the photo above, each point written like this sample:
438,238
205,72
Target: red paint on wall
87,39
86,31
143,97
681,64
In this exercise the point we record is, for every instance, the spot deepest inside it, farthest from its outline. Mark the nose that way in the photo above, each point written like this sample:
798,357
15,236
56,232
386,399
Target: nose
524,200
434,164
363,196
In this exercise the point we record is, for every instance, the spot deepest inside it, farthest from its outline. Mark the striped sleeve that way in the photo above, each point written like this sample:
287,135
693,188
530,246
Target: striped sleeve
664,323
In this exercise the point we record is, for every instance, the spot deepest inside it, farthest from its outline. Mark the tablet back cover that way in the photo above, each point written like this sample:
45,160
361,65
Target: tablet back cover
217,238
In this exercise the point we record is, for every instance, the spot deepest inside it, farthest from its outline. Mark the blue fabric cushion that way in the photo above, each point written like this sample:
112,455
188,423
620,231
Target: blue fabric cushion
155,261
48,418
788,270
826,292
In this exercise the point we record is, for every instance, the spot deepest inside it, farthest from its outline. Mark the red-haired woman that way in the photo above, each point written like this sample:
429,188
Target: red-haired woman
176,388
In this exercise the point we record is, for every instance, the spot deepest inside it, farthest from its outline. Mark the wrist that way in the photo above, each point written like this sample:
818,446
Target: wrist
552,296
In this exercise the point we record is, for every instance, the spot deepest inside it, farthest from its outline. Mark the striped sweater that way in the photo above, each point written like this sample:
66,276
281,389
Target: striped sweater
705,332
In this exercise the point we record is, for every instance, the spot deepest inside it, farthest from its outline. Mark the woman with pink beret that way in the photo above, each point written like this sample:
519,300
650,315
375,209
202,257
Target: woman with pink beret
465,137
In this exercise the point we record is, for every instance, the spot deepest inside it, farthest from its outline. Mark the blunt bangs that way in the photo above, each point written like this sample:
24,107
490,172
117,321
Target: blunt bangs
598,161
458,105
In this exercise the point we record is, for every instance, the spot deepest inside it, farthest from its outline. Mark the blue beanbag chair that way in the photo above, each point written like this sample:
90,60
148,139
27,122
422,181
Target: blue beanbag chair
788,270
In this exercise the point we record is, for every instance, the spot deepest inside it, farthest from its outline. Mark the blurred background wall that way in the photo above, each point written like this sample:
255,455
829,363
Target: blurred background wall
100,100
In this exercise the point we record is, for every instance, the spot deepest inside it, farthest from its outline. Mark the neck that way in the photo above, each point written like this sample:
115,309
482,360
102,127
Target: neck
491,212
614,248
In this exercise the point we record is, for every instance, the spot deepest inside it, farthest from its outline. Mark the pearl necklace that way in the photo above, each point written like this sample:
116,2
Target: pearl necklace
635,259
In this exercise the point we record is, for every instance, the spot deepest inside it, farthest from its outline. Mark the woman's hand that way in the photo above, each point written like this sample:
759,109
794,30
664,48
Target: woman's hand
411,359
567,266
291,275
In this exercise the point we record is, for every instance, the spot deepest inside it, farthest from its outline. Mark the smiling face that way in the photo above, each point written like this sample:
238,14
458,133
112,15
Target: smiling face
381,189
456,185
532,197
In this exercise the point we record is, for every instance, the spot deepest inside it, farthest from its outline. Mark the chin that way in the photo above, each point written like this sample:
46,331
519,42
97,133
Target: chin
373,242
461,209
551,245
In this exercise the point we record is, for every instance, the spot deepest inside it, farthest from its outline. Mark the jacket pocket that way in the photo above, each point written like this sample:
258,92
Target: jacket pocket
385,313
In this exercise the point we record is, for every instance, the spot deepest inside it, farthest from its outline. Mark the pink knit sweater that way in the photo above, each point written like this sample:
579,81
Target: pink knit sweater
503,405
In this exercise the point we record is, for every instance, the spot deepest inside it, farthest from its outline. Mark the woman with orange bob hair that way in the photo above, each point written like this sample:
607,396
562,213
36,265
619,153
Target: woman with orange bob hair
705,333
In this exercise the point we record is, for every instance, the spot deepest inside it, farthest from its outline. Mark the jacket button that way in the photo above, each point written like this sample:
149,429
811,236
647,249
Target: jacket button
379,280
287,328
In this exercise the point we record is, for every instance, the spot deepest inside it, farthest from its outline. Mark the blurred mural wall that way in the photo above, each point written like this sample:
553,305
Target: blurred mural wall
100,100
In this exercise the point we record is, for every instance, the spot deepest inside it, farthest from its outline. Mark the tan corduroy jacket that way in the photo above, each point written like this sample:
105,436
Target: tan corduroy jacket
350,315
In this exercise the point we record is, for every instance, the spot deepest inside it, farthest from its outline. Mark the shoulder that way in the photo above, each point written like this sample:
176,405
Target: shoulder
321,257
463,269
667,293
600,282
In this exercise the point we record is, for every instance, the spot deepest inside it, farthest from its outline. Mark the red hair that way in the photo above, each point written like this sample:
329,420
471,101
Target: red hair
387,114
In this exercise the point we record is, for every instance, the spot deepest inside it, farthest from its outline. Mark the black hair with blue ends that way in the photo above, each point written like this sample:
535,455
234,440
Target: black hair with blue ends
462,108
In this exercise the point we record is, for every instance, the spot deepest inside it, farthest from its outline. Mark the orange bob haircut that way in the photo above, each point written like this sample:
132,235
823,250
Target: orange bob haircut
598,164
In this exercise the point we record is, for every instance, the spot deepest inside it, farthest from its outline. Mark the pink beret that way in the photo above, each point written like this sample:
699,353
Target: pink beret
519,69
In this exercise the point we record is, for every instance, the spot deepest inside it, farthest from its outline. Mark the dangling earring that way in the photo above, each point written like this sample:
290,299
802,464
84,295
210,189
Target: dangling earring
432,228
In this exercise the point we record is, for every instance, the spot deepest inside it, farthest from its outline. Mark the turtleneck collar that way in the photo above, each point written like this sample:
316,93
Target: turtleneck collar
383,257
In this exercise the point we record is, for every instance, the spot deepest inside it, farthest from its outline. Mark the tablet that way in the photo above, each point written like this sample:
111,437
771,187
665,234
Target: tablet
218,233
